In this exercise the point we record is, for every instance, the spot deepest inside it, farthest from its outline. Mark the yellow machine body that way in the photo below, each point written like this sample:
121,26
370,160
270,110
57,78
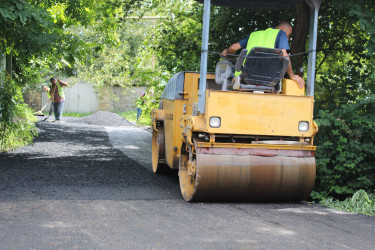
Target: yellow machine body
257,153
257,114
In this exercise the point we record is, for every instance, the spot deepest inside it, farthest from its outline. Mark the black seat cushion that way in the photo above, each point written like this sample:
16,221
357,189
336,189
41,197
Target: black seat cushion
264,67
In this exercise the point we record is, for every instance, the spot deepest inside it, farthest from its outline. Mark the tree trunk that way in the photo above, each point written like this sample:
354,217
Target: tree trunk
9,64
300,33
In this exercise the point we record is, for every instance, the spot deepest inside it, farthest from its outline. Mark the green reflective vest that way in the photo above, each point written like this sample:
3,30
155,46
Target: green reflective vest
262,38
49,94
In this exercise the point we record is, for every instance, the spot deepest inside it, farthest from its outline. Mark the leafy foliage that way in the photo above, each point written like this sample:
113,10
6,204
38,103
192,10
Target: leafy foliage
24,28
345,63
42,33
113,64
345,148
177,40
16,127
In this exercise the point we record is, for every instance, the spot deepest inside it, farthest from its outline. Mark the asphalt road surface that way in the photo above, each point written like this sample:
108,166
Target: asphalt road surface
91,187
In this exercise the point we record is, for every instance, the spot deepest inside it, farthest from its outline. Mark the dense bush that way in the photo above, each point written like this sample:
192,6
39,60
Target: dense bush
16,126
345,149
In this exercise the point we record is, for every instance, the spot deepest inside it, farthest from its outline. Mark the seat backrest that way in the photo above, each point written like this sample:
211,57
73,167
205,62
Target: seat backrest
264,66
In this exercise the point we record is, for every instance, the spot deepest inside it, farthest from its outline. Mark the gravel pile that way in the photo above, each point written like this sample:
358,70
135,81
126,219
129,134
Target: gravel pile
103,118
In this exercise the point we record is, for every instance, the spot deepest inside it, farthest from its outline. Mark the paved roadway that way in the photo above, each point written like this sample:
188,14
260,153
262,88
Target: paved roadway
83,187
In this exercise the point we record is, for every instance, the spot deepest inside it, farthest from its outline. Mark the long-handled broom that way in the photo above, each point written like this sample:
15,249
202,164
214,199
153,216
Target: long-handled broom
50,112
40,113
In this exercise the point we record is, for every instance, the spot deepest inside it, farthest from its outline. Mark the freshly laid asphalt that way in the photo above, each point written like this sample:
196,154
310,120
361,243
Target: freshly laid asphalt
83,186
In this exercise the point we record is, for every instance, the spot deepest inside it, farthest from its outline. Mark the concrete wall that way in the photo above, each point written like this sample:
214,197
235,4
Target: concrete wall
84,98
117,99
33,99
125,98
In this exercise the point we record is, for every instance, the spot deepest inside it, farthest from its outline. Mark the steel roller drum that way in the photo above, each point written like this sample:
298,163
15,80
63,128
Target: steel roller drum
249,177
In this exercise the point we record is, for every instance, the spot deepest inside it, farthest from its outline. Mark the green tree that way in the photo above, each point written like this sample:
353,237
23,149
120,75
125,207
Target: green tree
40,36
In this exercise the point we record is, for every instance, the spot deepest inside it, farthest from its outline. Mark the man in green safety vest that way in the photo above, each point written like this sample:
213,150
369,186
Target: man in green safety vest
270,38
56,93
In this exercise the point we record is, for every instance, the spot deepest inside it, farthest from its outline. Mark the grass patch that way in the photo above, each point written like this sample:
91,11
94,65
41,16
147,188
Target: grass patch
78,114
360,202
19,134
71,114
144,120
130,116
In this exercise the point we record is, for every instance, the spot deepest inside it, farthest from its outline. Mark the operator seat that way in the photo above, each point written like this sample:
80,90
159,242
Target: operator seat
263,70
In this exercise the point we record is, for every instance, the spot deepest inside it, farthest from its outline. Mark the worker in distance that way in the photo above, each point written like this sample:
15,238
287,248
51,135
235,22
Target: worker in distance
56,93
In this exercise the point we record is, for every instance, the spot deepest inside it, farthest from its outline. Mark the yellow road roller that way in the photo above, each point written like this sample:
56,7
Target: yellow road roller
250,142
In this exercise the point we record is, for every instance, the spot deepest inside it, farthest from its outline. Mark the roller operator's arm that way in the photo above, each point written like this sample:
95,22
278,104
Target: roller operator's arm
292,76
231,50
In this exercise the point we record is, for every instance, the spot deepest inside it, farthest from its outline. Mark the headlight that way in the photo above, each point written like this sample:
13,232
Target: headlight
303,126
215,122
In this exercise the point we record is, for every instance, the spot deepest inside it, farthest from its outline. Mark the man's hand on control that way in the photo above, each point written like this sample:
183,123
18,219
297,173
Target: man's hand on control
299,81
224,53
231,50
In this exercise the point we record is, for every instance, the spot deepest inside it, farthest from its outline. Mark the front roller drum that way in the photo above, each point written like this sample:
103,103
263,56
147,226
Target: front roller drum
235,177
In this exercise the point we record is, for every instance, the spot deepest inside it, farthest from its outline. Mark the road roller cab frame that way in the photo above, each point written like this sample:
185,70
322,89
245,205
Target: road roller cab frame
241,144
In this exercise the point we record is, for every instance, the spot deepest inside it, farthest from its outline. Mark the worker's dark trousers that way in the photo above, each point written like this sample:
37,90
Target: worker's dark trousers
139,113
58,109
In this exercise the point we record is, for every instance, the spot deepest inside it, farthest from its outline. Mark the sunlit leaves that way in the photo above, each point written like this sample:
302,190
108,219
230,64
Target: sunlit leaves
345,63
